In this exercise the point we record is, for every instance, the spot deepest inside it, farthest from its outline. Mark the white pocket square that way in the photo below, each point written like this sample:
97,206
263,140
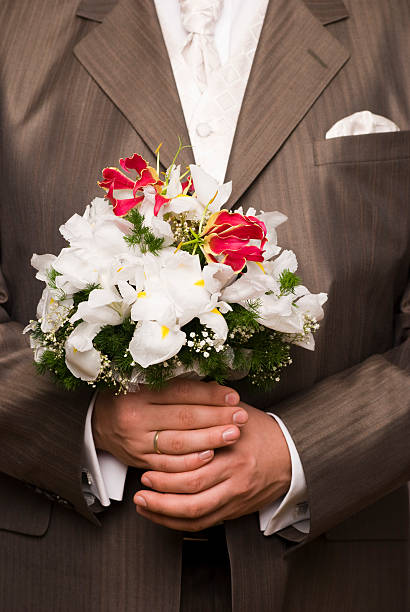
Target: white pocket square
363,122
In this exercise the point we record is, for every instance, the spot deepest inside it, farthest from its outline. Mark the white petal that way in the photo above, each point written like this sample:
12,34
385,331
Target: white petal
85,365
308,342
311,304
182,278
162,229
217,276
251,285
42,263
174,187
206,188
286,261
83,335
103,306
128,293
76,228
82,359
154,343
52,311
186,204
215,321
153,306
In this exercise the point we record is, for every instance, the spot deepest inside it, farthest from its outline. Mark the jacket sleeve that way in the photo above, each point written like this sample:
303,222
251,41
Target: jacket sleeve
352,432
41,425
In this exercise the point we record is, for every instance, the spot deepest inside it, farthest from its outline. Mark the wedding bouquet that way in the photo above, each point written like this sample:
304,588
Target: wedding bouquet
160,281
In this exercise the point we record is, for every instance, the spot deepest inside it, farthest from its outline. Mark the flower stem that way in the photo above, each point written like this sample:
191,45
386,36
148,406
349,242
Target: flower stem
205,211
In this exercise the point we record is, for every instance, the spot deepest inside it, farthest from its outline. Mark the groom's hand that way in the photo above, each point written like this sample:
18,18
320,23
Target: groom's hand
240,480
193,418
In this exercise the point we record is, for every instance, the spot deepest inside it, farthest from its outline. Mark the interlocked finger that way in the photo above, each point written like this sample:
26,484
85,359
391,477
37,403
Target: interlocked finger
170,442
195,481
177,463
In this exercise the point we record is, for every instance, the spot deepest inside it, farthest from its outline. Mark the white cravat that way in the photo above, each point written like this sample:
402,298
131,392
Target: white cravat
211,115
199,18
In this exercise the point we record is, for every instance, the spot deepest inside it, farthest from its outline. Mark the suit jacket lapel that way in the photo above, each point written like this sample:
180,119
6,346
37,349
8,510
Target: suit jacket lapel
295,60
127,57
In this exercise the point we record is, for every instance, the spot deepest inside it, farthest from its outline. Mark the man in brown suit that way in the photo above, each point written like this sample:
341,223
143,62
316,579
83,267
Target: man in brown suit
72,102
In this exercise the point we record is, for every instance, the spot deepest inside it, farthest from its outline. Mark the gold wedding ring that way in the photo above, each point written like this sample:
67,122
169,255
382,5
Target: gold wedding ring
156,449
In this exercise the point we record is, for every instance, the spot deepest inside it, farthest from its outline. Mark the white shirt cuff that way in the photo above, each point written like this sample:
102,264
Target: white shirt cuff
105,474
292,508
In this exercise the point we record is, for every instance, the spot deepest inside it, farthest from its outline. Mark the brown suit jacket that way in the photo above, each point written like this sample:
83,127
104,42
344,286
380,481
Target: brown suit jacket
85,82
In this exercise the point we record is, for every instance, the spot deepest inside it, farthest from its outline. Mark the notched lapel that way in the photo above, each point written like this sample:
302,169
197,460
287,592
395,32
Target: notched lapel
95,10
295,60
327,11
127,57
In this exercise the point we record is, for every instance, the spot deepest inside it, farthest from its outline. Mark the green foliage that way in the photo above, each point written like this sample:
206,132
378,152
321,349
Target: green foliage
269,355
113,342
246,318
142,235
51,277
54,362
288,281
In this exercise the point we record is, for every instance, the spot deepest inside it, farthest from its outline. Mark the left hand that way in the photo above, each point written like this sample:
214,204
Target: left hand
240,480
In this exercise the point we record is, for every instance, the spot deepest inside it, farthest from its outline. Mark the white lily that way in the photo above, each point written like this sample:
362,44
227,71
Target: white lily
206,189
153,305
249,286
153,343
98,229
174,187
217,276
184,283
43,263
215,320
81,358
159,227
75,271
103,307
52,312
311,305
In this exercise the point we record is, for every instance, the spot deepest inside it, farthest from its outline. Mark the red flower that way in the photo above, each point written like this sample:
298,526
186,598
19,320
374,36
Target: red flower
123,192
227,236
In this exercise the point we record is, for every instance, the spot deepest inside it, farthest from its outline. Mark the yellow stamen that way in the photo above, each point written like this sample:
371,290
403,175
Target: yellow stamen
200,283
216,311
75,350
158,148
51,300
164,331
119,269
260,266
142,294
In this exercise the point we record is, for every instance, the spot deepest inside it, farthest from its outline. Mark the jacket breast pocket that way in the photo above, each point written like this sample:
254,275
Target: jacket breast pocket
365,148
21,509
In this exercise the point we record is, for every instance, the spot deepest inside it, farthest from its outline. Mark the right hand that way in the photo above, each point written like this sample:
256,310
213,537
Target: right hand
193,418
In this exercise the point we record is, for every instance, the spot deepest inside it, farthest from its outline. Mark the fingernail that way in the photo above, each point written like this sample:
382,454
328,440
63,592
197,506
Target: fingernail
205,455
232,398
140,501
240,417
146,481
230,434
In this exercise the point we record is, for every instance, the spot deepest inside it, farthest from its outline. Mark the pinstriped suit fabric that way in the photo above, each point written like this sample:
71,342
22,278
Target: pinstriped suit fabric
71,103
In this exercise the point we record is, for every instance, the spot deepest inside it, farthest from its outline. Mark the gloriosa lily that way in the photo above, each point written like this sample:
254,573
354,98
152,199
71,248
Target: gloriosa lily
226,239
124,193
